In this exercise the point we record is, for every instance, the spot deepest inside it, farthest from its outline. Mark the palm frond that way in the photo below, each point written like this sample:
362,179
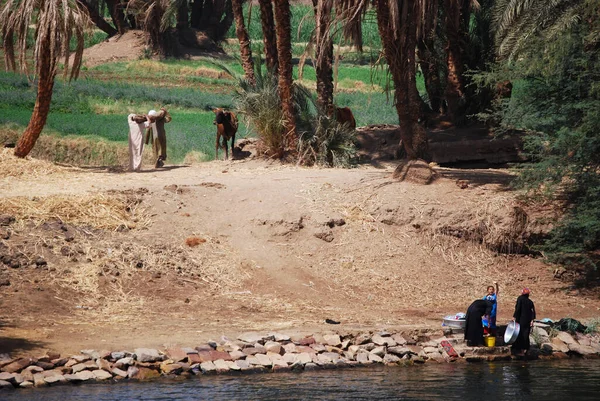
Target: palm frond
517,21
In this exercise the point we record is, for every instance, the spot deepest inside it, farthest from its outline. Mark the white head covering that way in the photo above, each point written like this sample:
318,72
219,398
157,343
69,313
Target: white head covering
153,113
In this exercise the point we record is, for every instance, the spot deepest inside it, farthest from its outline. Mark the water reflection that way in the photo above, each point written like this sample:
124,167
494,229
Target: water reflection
511,381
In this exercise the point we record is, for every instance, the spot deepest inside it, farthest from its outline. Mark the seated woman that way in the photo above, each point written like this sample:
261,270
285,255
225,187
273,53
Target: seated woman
474,324
492,295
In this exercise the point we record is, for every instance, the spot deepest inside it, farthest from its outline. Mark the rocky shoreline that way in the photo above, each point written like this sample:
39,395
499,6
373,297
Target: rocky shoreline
277,352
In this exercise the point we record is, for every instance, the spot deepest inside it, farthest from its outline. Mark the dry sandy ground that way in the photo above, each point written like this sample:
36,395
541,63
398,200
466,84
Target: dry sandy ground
226,247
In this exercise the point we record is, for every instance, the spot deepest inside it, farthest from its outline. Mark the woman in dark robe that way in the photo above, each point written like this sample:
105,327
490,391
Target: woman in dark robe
474,327
524,315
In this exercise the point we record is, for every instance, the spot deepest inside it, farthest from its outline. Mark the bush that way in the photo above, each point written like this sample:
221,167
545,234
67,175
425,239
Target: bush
556,99
330,144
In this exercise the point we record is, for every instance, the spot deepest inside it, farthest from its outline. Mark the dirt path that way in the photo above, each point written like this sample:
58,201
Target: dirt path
278,248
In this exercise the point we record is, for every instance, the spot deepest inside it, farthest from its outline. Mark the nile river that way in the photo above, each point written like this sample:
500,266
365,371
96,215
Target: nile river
570,380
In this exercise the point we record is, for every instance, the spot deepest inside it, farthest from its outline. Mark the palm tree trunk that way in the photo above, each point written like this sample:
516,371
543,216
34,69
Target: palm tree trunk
244,39
399,49
427,60
431,75
324,54
457,17
115,8
269,38
284,55
41,108
182,16
97,18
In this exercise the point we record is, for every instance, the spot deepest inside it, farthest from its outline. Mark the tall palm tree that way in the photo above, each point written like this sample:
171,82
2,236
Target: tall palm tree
284,55
244,39
397,21
56,23
269,39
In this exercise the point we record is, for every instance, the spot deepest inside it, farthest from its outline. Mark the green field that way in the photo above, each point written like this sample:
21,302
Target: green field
97,104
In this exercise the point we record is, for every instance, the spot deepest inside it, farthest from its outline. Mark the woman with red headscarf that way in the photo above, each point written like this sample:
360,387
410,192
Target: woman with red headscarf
524,315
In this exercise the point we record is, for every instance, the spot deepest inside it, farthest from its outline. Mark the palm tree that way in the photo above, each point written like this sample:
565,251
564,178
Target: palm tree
284,55
397,22
269,38
517,21
244,39
324,53
56,23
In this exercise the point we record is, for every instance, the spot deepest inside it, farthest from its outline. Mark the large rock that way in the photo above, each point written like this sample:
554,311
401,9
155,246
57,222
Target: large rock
362,357
251,337
581,349
375,358
333,340
87,365
280,337
222,366
400,351
18,365
272,346
263,360
118,372
176,354
101,374
566,338
124,362
171,368
208,367
144,374
559,346
5,384
379,351
148,355
381,340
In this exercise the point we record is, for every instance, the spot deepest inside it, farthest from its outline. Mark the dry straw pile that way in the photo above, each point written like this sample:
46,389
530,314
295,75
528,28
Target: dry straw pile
11,166
99,211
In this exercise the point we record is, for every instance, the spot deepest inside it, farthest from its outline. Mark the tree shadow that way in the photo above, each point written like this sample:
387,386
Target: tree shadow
479,176
16,345
123,170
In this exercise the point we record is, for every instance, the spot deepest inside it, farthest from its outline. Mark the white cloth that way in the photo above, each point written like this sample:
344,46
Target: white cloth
136,143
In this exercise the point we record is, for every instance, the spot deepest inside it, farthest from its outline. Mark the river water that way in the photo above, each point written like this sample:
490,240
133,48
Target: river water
570,380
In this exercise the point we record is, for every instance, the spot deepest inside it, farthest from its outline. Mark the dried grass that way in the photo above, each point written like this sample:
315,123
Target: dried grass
12,166
99,211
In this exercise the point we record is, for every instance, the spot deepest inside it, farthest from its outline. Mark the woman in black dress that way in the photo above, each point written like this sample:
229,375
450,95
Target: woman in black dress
524,315
474,327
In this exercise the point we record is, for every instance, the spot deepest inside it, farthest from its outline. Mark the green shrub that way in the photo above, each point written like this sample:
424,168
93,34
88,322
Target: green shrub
556,99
